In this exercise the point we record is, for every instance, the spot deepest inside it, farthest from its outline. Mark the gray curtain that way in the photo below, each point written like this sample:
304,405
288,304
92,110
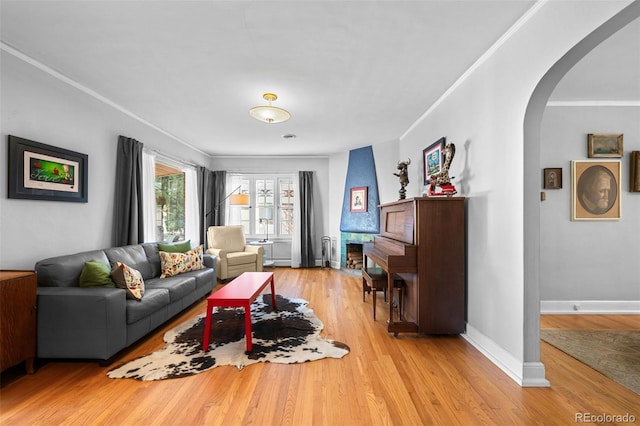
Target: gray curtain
219,187
127,215
205,201
307,220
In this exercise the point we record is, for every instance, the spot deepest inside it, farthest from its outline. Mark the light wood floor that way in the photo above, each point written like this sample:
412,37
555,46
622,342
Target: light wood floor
409,380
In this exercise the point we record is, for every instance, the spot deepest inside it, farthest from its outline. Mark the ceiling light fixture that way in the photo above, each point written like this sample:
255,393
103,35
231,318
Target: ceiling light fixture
268,113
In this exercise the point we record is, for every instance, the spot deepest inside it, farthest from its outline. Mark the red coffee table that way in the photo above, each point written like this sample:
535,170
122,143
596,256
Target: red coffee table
240,292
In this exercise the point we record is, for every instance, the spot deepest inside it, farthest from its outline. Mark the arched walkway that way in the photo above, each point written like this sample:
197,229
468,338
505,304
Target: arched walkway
532,123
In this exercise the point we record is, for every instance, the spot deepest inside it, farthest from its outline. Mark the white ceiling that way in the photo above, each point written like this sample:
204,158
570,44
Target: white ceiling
351,73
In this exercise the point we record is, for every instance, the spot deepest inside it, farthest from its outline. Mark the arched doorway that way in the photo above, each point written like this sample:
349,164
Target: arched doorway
532,167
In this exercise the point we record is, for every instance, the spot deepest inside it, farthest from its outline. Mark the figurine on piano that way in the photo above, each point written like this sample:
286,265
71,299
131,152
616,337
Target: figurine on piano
403,174
442,179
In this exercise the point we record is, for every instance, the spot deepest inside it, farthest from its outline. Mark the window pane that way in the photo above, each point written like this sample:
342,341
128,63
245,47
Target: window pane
286,206
265,206
170,216
239,215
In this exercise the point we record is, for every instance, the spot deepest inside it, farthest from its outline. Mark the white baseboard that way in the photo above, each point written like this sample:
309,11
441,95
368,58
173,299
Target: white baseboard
526,374
590,307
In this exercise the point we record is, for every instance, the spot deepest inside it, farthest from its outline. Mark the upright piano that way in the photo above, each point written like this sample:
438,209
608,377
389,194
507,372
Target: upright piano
422,239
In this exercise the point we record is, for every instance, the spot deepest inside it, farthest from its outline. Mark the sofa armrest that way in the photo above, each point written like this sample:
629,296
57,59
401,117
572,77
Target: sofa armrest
76,322
259,250
222,253
209,260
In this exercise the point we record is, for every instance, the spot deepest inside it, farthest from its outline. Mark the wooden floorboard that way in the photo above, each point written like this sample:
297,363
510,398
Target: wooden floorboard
408,380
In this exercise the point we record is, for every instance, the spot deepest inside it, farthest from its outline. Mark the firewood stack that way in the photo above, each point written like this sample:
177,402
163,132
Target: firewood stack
354,260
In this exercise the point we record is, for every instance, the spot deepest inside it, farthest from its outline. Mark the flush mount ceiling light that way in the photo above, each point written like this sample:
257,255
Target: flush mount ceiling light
268,113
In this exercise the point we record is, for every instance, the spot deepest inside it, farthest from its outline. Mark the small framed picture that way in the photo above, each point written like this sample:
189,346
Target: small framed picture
634,173
595,190
552,178
359,199
605,145
432,159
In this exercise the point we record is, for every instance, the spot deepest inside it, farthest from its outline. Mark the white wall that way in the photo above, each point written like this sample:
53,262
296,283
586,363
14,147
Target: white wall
386,157
38,107
594,261
320,167
484,116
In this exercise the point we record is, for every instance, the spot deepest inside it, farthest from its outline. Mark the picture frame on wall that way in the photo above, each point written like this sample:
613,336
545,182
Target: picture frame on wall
432,159
634,172
358,200
604,145
552,178
38,171
595,190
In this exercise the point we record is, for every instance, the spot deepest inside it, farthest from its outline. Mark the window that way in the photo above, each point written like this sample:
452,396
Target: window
270,213
170,202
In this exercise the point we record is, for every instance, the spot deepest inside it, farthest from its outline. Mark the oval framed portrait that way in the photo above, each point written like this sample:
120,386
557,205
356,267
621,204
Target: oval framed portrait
595,190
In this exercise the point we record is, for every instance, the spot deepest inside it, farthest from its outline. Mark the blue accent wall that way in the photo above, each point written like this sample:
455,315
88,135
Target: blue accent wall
361,172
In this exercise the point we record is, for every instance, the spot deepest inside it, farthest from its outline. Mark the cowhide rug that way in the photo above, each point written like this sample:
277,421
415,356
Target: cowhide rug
289,335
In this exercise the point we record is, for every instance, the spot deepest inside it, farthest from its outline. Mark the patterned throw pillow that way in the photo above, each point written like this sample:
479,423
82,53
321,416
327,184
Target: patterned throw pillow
129,279
177,263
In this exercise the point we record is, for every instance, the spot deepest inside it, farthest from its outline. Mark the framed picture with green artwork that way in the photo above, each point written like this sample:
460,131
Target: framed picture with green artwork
43,172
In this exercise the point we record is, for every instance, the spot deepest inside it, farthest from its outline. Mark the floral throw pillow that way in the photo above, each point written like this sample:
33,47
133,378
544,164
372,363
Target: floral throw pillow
177,263
129,279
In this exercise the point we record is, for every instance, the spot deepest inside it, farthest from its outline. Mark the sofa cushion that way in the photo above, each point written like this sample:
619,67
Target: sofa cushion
96,274
178,286
133,256
151,250
240,258
178,263
154,300
64,271
205,278
181,247
129,279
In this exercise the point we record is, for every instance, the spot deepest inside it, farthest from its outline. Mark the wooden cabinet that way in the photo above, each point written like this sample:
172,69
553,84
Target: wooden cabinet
17,319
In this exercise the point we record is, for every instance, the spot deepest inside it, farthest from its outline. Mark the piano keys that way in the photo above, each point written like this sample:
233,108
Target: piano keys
422,240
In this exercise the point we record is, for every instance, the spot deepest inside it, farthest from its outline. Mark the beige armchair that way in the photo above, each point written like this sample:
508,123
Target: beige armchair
234,256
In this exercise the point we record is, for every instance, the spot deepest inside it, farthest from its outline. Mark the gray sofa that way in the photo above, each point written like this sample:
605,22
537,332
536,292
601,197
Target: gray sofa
97,323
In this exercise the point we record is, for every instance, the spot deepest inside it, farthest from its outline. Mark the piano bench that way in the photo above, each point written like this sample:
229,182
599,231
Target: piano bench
375,279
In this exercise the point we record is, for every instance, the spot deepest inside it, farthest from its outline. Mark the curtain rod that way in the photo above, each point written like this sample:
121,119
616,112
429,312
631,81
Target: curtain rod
233,172
167,157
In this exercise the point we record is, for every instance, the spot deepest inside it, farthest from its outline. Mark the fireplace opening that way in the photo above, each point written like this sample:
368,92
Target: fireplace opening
351,246
354,256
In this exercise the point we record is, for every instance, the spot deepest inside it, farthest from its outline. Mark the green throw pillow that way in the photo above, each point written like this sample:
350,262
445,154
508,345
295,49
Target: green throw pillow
181,247
96,274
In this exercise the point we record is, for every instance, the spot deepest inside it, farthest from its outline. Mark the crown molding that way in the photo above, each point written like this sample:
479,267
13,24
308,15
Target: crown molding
602,103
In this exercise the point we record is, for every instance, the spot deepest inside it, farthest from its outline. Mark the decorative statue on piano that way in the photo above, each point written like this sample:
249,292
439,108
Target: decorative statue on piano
442,179
404,177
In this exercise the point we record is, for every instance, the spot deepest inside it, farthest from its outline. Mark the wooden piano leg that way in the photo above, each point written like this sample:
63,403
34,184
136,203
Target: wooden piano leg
390,292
